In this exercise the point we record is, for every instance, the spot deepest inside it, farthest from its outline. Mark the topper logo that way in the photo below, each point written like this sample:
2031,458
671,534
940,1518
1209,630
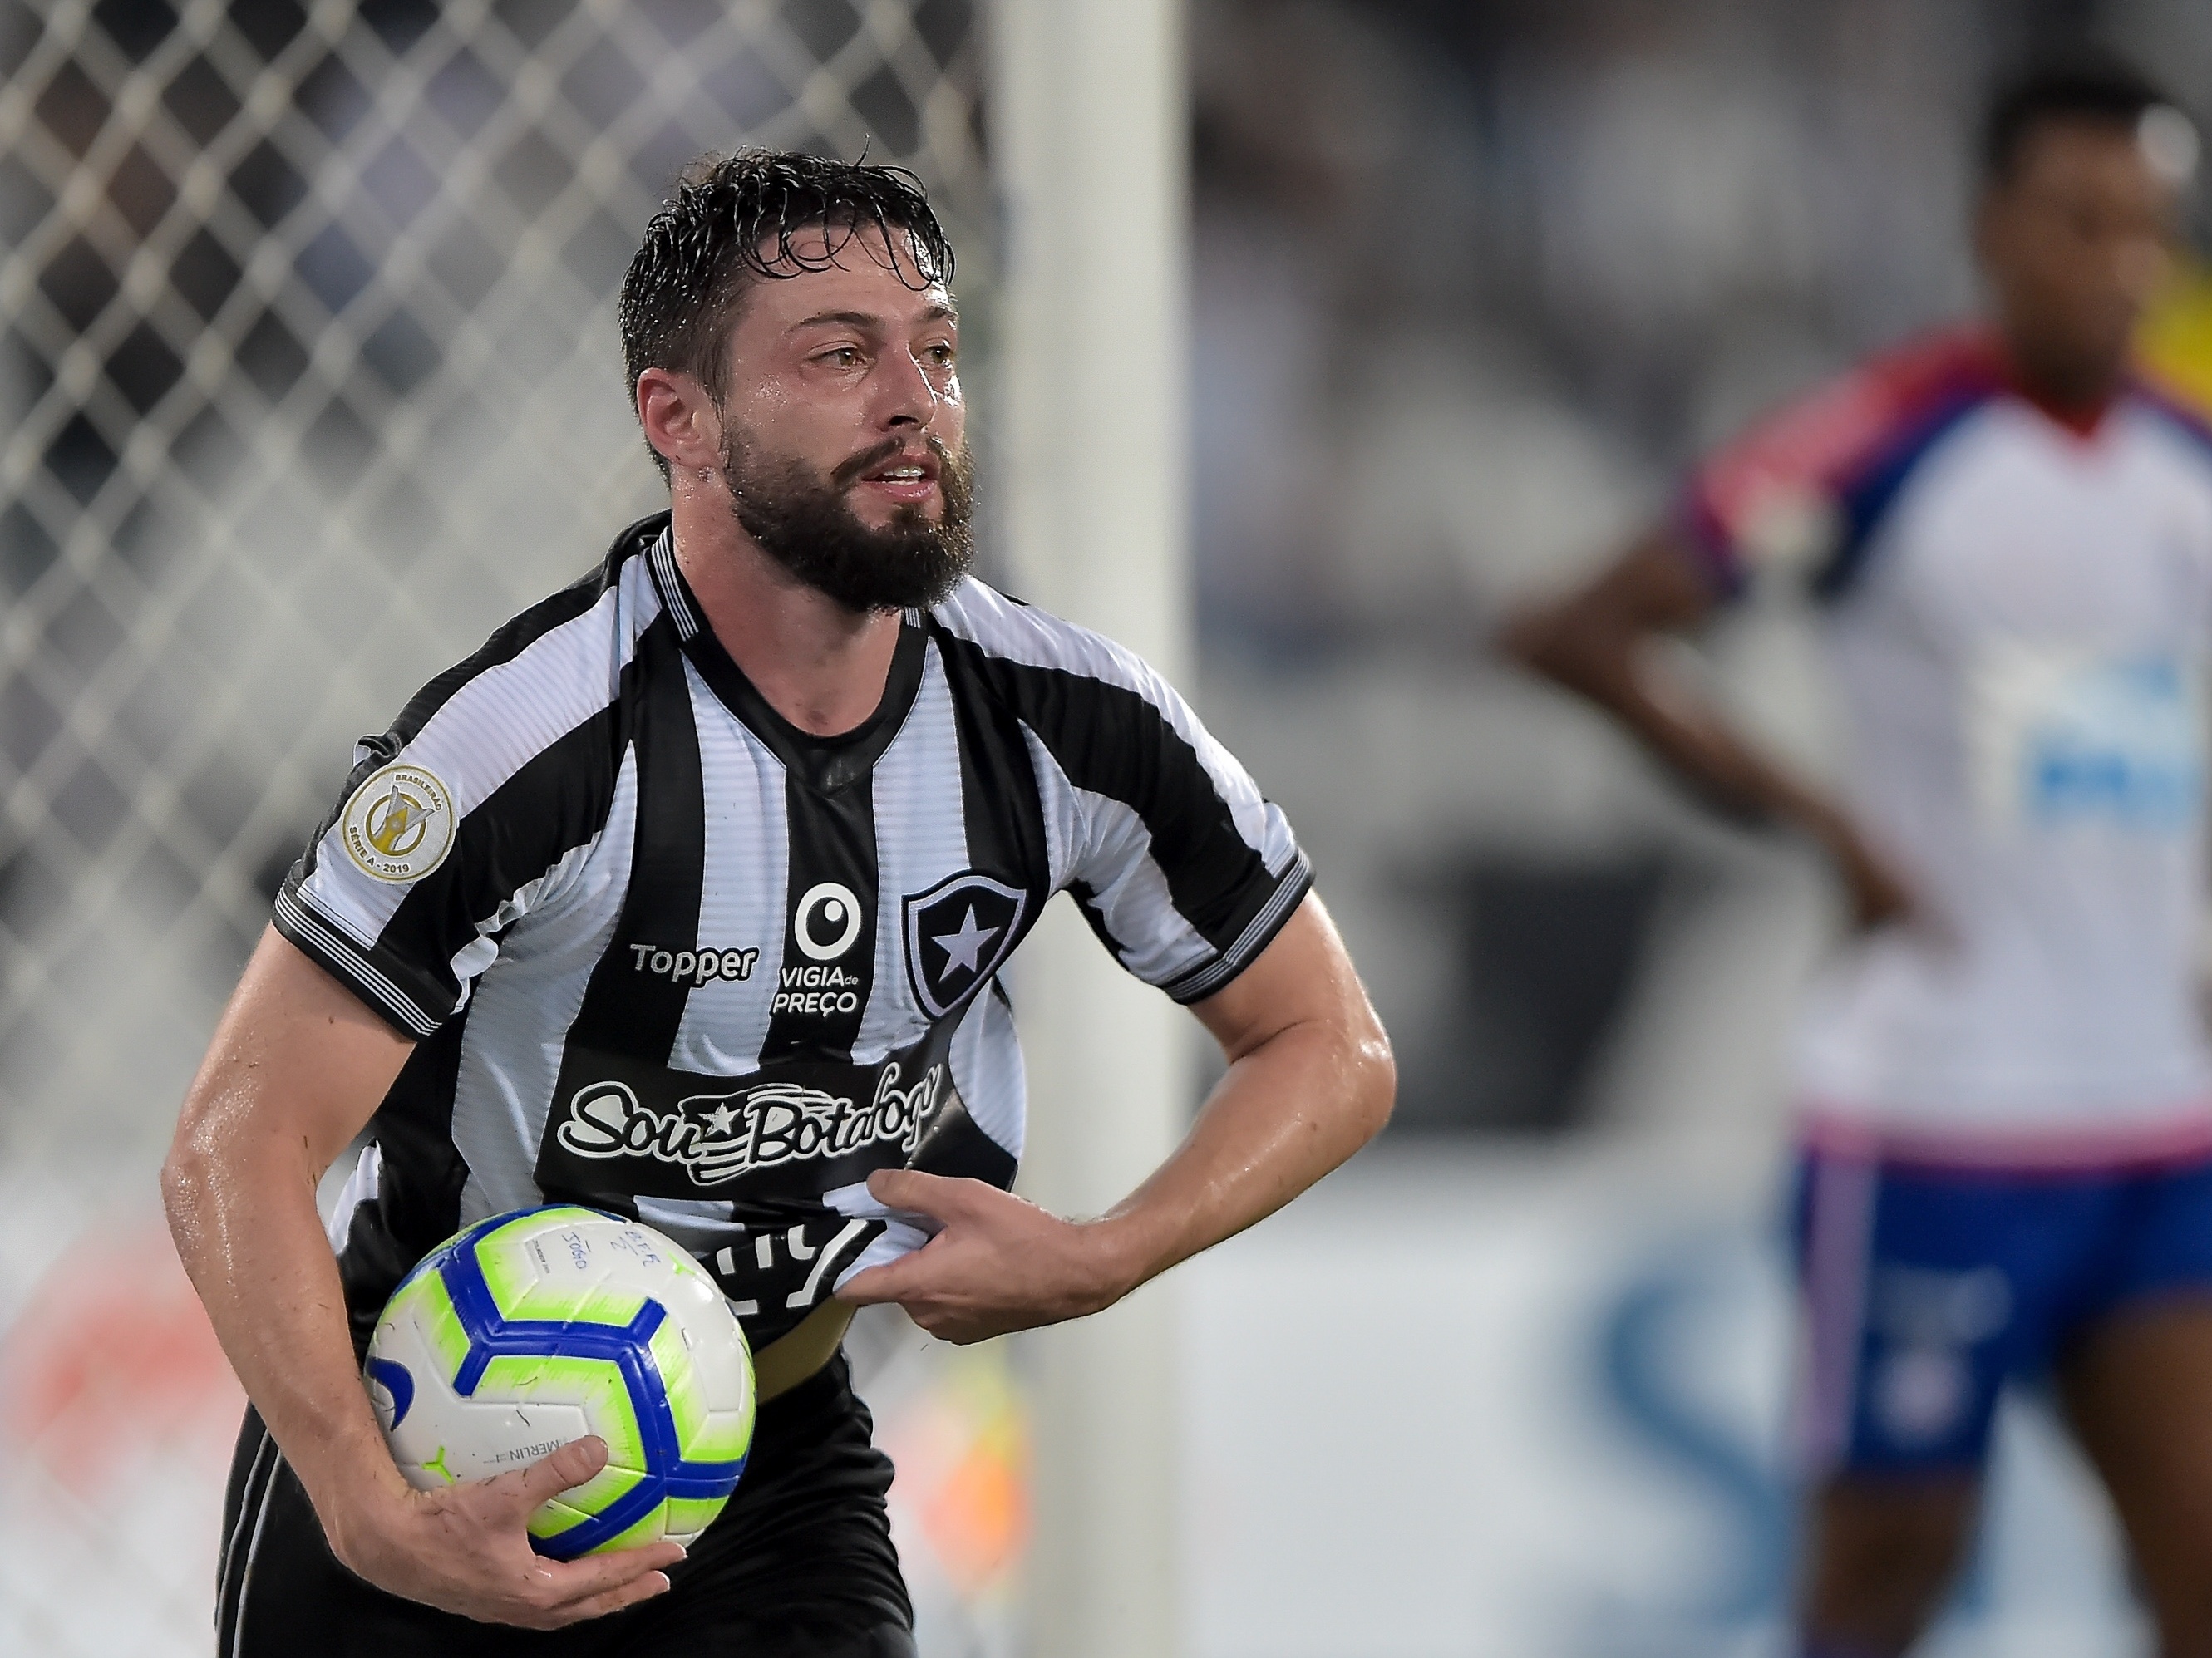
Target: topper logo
694,966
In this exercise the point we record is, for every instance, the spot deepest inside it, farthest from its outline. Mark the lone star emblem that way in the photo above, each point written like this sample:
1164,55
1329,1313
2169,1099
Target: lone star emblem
962,948
957,935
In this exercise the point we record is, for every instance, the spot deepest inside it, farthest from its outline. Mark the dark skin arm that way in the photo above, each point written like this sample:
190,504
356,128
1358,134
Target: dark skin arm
1310,1080
297,1066
1596,641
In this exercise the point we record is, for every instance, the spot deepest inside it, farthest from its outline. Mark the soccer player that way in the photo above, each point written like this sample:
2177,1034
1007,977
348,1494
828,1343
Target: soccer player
686,897
2007,1096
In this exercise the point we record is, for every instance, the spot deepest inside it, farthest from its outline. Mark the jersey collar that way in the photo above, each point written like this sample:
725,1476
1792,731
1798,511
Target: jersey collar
825,763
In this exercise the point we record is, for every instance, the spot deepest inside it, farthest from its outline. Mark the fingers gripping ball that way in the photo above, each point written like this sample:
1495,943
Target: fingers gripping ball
533,1329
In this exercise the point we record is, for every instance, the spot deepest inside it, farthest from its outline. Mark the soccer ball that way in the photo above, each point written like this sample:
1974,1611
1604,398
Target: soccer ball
531,1329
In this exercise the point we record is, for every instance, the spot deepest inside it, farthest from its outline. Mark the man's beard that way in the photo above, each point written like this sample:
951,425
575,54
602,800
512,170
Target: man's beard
802,521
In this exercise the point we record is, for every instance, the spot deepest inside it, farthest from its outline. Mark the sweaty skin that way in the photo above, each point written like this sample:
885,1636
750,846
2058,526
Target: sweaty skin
2073,243
827,365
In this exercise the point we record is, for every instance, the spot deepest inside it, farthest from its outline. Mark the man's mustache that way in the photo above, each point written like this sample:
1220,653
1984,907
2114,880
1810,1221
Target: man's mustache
852,469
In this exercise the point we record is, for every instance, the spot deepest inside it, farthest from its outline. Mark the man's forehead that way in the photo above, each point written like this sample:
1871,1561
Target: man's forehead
867,250
2067,145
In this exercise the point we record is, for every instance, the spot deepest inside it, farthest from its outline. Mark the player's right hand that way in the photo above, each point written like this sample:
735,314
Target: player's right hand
464,1548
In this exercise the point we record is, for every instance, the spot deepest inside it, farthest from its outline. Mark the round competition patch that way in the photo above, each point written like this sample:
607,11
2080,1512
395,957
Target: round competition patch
400,824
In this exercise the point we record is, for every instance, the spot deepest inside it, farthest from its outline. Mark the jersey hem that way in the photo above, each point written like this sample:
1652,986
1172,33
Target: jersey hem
2183,1138
325,944
1203,980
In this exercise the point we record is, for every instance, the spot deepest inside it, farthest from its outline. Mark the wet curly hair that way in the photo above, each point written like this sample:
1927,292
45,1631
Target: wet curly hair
730,225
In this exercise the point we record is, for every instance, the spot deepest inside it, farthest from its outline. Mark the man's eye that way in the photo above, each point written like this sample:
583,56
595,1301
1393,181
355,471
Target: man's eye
841,356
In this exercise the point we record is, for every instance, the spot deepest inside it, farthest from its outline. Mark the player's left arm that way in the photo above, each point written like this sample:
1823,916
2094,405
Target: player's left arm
1310,1080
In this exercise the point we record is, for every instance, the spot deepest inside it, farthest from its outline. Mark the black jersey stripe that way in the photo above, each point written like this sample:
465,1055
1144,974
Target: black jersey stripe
828,966
558,801
1000,802
628,1008
957,1150
326,945
1114,742
1204,980
418,1197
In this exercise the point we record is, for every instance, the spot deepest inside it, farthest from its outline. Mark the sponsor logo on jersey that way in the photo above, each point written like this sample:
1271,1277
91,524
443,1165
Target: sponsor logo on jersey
400,824
822,990
693,967
826,922
958,933
2067,738
716,1138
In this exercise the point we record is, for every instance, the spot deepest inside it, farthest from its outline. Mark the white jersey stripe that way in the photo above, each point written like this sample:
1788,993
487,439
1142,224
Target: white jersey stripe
511,1049
920,839
742,891
492,727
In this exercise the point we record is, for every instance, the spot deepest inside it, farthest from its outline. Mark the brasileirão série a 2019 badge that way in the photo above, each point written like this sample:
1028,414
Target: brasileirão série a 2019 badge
400,824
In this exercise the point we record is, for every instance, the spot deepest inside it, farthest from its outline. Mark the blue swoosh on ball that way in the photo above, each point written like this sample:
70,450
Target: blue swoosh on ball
393,1378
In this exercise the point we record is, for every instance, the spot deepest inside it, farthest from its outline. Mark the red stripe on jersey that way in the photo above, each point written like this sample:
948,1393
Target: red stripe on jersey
1807,454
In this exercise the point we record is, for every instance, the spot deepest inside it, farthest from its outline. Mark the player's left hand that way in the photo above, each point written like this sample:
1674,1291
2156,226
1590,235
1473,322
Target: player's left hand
996,1264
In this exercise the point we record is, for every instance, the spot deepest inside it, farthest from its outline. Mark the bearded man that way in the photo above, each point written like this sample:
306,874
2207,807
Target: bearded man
765,802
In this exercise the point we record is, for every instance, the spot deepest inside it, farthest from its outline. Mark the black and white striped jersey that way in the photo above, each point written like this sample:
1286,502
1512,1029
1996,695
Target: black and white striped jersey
668,955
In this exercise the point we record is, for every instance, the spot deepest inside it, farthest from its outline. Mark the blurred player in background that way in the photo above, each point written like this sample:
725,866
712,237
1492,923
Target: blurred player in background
686,898
2005,1087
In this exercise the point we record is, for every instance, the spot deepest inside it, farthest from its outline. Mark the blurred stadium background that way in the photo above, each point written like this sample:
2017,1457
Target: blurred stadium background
308,378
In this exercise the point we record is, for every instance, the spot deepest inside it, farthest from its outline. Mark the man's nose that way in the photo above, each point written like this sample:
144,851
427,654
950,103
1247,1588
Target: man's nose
908,397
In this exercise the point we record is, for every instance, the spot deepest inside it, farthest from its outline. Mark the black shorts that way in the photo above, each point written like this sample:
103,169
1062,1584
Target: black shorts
798,1566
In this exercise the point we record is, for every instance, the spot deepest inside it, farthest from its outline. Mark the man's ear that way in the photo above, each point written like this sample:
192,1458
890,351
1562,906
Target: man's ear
679,419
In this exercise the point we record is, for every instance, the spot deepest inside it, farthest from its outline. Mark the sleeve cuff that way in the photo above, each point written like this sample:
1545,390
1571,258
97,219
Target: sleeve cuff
1210,977
326,945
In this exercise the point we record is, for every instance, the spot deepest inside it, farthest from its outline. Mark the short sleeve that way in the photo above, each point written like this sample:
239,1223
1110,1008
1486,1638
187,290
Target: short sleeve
453,824
1184,869
1796,495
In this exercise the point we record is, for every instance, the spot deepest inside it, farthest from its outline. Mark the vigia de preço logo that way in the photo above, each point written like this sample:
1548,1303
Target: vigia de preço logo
400,824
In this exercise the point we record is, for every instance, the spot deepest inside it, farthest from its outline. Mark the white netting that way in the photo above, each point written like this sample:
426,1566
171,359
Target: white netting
310,378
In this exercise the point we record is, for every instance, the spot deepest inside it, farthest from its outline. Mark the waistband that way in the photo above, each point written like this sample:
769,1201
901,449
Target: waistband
2182,1139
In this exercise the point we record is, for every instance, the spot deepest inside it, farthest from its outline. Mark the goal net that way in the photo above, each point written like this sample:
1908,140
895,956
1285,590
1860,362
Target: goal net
311,378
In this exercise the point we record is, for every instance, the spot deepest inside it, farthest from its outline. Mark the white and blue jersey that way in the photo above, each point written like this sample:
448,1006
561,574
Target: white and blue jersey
2016,609
2008,1107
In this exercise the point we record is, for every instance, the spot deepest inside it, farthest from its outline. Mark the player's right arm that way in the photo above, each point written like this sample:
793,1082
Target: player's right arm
297,1066
1599,641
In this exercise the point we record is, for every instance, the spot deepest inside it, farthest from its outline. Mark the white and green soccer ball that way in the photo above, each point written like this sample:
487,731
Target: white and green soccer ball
532,1329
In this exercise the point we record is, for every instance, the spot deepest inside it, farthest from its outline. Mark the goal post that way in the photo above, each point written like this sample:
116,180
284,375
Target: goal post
1087,126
